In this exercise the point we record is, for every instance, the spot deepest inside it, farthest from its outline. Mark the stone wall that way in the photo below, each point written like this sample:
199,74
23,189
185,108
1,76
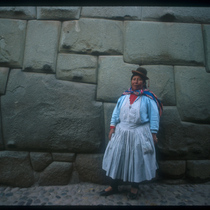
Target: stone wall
62,70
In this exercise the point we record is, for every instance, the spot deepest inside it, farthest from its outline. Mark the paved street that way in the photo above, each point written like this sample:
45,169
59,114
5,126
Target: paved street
87,194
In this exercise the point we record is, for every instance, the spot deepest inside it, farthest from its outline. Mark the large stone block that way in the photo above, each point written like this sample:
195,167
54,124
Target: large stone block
131,13
42,113
172,169
41,46
57,173
114,77
180,140
163,43
162,83
18,12
58,13
78,68
198,169
192,93
108,109
206,32
176,14
40,160
12,42
16,169
197,137
92,36
89,167
4,73
171,144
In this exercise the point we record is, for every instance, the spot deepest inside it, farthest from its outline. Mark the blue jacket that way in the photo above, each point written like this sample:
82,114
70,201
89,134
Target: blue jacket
148,113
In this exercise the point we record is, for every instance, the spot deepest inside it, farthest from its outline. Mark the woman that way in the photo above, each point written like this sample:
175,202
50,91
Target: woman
130,153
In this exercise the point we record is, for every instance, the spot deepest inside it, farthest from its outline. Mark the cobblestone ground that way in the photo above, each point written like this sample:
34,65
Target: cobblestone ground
87,194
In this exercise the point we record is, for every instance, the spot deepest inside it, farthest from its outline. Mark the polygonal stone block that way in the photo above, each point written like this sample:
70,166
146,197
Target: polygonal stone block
18,12
163,43
12,42
119,12
78,68
58,13
40,112
92,36
192,93
41,46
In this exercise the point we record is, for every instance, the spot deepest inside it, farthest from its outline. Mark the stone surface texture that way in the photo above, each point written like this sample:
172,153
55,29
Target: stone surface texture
92,36
58,13
4,73
89,168
12,42
40,161
172,169
163,43
206,32
198,169
114,77
62,70
191,104
125,13
16,169
57,173
42,113
41,46
18,12
78,68
176,14
65,157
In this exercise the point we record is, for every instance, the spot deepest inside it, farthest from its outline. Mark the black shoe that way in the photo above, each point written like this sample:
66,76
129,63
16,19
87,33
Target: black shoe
107,193
132,196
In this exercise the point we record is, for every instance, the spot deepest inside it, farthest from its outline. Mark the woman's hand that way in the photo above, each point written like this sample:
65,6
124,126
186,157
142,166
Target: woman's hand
112,130
155,139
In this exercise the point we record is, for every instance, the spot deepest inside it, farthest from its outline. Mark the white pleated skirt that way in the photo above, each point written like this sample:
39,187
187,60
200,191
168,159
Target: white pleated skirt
130,154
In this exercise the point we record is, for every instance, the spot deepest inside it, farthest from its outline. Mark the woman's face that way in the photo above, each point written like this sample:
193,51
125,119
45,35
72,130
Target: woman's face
137,83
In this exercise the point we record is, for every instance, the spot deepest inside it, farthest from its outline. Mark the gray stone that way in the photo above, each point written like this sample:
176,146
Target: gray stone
123,12
18,12
177,14
41,46
114,77
78,68
1,134
12,42
163,43
108,109
198,169
172,169
40,160
181,140
197,137
89,167
171,144
57,173
42,113
162,83
16,169
192,93
4,73
65,157
58,13
206,32
92,36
